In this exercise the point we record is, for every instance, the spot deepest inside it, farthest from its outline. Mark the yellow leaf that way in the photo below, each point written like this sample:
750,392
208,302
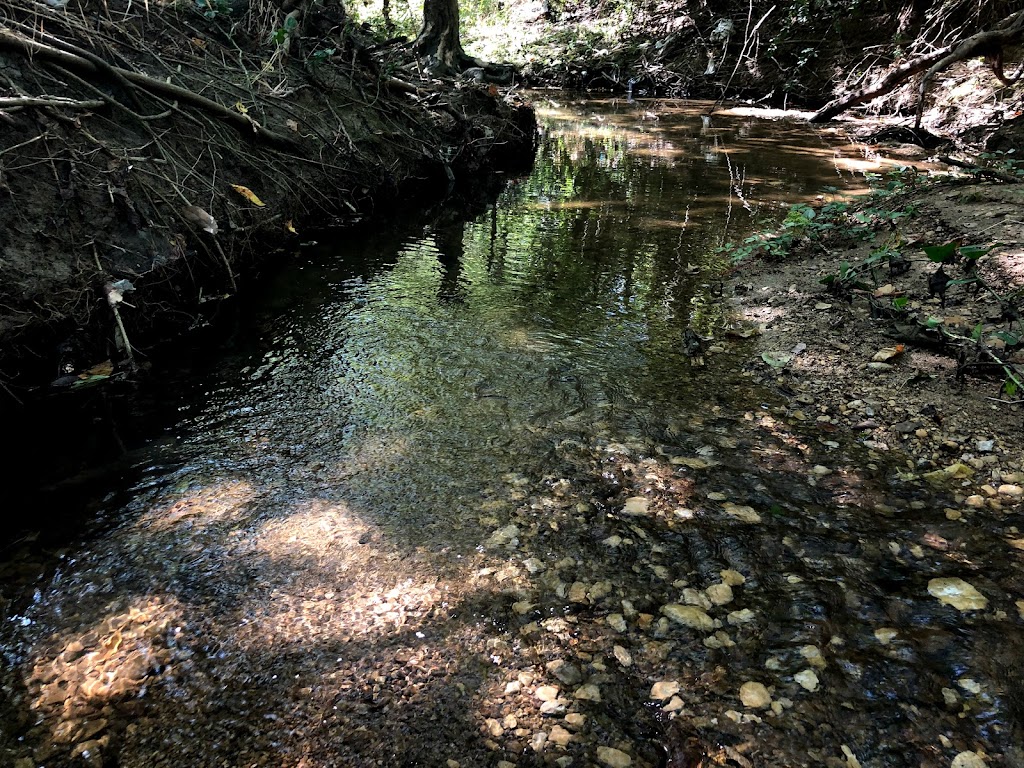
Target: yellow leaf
248,194
288,226
101,369
241,108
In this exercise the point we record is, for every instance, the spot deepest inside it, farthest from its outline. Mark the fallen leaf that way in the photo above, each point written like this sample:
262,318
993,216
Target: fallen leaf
777,360
241,108
100,369
248,194
288,226
293,125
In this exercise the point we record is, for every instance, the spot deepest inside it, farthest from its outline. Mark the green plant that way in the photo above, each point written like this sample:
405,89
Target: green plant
213,8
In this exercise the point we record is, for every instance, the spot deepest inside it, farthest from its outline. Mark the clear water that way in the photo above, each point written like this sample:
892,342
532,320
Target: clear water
314,565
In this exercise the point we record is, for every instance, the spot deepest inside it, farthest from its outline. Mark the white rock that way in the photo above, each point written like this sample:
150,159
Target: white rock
664,689
689,616
614,758
957,593
624,657
968,760
636,505
754,695
807,679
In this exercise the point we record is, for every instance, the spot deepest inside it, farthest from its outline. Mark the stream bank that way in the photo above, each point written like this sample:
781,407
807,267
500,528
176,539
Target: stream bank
153,155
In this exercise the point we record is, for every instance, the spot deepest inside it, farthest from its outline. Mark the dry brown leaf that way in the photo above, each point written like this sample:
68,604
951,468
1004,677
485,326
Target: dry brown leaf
248,194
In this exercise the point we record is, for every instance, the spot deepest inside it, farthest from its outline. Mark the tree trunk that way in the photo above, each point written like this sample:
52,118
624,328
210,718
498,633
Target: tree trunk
439,41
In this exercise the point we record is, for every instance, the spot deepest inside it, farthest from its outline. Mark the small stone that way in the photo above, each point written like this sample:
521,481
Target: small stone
807,679
578,592
957,593
985,446
689,616
851,759
719,594
616,621
546,692
624,657
636,505
1014,491
732,578
565,671
820,470
503,537
741,512
533,565
968,760
740,617
975,500
538,741
885,635
559,736
754,695
693,597
674,705
614,758
664,689
970,685
575,720
588,692
494,728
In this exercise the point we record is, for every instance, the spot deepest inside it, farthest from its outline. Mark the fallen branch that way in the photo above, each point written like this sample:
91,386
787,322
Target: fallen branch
1009,178
977,44
49,101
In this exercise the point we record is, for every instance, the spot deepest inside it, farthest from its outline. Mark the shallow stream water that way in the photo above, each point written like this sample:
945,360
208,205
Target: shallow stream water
456,495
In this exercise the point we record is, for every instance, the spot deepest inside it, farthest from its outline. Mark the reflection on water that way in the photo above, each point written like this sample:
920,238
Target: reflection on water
457,495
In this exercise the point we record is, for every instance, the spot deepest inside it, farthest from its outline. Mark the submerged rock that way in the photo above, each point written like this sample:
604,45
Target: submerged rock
689,616
754,695
957,593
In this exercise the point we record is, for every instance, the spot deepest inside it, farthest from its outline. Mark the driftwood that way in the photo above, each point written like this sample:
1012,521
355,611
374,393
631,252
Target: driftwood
987,43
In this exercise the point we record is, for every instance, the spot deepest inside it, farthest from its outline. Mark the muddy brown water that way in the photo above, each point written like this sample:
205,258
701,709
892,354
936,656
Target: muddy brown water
455,496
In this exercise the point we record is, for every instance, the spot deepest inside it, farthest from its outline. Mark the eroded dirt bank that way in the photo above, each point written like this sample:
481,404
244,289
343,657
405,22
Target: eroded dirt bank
150,152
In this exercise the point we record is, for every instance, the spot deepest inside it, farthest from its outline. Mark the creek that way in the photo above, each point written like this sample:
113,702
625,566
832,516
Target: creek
455,494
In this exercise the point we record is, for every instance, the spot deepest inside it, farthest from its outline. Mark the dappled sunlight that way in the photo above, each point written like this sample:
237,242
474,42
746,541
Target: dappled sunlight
196,508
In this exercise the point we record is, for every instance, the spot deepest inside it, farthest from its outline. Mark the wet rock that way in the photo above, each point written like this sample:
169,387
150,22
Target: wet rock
689,616
968,760
885,635
807,679
624,657
740,617
741,512
732,578
565,671
613,758
1014,491
588,692
957,593
578,592
694,597
509,535
664,689
754,695
616,621
719,594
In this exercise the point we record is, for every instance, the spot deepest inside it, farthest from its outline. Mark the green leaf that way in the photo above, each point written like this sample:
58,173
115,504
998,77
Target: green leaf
976,334
900,302
934,322
975,251
776,361
1011,339
1010,387
940,253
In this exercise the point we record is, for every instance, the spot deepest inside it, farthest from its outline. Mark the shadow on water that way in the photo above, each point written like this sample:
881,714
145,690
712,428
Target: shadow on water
453,492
